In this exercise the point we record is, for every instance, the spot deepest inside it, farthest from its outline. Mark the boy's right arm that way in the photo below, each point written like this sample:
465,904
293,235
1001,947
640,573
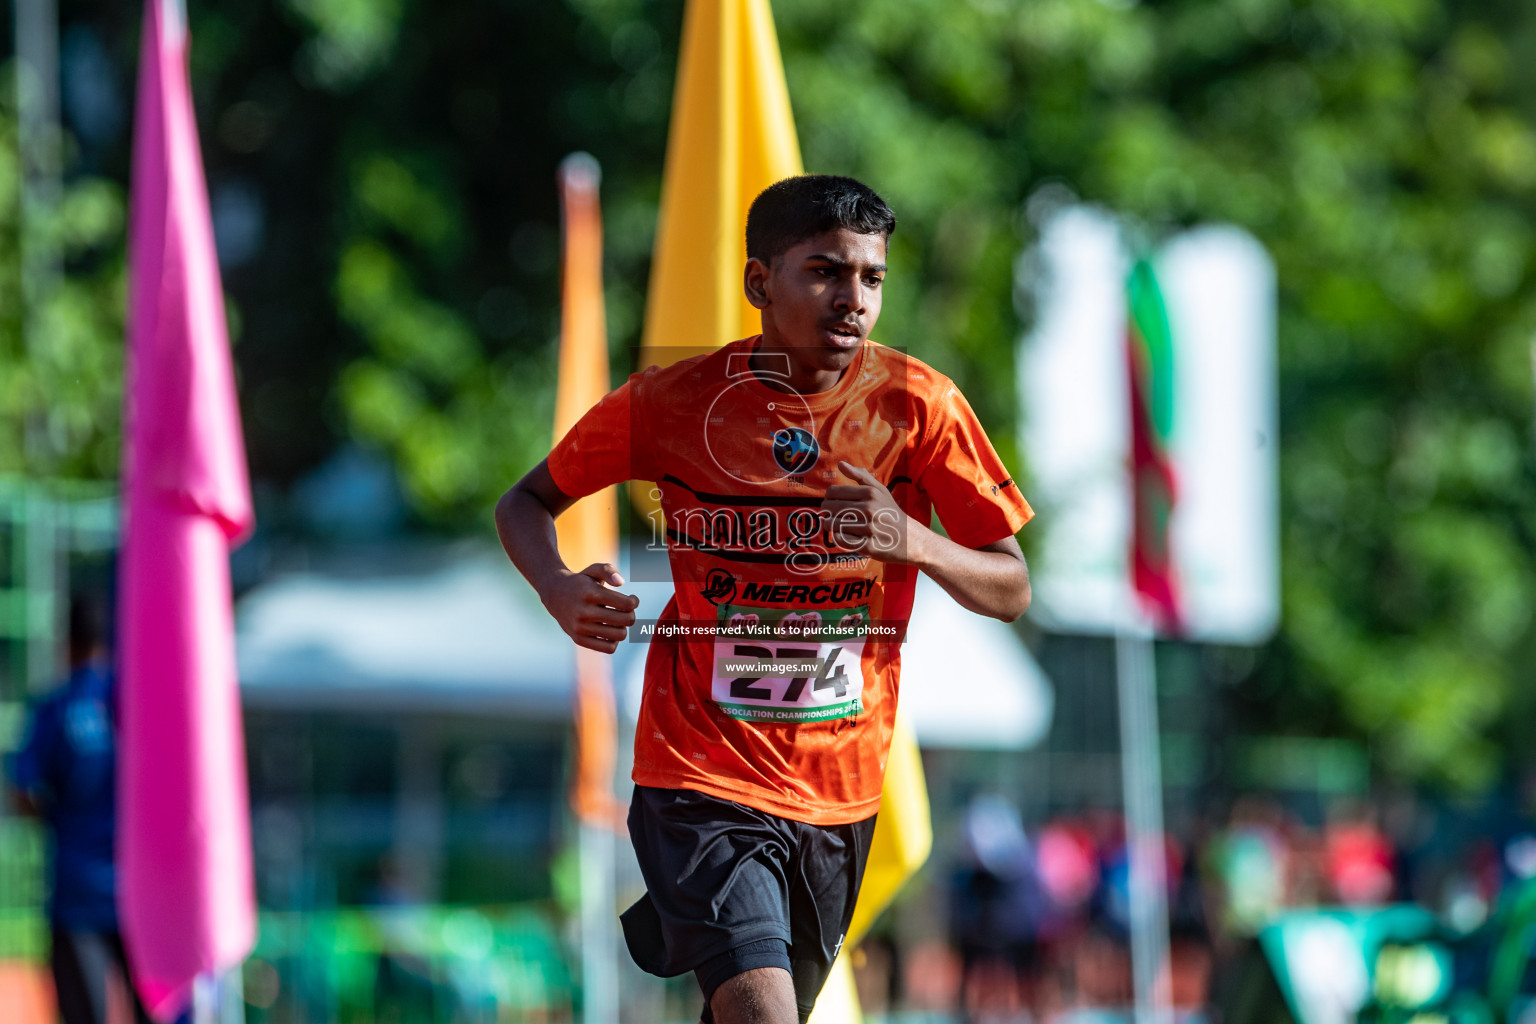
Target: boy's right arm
583,603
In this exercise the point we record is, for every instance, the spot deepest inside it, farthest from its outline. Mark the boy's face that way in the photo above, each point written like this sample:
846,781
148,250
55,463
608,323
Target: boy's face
821,297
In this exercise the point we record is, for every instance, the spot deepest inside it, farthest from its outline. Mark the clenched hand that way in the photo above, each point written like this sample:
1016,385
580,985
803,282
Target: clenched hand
864,516
588,608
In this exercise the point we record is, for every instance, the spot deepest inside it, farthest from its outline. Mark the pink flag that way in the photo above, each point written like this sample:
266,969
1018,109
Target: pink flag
185,895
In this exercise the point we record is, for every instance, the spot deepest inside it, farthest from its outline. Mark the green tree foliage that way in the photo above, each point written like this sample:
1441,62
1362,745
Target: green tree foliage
60,376
405,291
1385,155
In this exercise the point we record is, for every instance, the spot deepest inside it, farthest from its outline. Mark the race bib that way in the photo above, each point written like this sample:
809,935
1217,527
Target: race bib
787,665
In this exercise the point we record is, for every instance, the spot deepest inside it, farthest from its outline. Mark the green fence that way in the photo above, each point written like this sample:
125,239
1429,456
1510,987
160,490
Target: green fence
462,964
410,964
52,536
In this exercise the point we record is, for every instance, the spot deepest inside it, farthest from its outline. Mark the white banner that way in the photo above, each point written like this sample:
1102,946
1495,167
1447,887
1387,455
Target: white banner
1219,287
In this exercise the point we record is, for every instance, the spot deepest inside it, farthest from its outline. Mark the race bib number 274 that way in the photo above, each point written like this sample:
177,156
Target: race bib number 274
785,665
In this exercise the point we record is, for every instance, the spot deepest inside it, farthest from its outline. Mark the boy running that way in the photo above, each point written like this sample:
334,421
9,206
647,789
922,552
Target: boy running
798,470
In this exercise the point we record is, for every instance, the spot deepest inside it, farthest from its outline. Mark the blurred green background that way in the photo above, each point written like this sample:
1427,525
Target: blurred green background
382,178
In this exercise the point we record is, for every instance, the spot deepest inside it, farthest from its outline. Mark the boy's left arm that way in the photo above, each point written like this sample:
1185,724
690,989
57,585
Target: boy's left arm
990,580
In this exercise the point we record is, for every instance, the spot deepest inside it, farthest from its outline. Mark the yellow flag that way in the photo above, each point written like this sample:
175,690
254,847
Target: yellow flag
588,531
903,834
731,136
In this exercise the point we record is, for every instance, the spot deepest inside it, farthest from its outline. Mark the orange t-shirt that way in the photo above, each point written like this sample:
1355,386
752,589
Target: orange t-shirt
773,672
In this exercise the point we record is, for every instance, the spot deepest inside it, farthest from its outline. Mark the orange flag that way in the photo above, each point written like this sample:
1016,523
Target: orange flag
588,531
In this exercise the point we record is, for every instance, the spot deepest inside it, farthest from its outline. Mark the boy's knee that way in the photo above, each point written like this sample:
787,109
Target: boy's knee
759,995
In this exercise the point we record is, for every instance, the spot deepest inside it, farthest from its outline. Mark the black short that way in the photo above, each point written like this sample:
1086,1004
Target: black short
733,888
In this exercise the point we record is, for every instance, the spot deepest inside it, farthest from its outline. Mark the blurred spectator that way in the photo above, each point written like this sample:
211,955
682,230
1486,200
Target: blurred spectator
1360,860
65,774
403,988
1039,919
1068,865
1190,954
996,911
1250,864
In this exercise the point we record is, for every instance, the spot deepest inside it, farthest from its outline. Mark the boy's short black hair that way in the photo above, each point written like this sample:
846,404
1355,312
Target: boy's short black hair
788,212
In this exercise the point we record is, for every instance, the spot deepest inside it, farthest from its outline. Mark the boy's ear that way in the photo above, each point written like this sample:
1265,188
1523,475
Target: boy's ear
754,281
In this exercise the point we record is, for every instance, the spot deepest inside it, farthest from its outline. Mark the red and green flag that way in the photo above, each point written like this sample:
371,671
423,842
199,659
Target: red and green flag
1149,355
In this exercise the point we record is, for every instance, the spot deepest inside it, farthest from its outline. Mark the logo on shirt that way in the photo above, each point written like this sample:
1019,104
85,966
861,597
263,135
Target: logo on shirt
719,587
806,593
795,449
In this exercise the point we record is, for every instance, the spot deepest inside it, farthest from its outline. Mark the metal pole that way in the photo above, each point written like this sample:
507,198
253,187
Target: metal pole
1141,774
219,998
599,931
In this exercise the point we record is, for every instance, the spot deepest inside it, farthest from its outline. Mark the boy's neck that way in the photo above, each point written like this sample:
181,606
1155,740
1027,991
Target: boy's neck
769,361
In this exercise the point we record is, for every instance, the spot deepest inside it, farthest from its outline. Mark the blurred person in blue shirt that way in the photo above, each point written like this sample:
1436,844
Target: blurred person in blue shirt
998,910
66,774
